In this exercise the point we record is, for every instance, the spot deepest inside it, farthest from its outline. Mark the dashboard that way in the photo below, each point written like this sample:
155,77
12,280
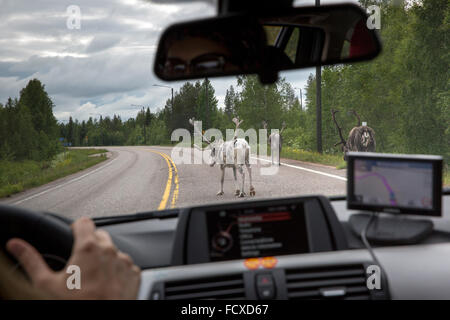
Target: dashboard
332,266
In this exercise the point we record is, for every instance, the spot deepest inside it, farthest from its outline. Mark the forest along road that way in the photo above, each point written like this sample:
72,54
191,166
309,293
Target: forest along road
144,178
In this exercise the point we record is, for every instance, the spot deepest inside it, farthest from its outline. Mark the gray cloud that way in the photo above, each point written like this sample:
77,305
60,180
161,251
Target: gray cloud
102,42
102,68
106,65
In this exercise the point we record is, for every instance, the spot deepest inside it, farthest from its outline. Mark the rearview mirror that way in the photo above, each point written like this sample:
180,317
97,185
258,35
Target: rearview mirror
212,47
266,43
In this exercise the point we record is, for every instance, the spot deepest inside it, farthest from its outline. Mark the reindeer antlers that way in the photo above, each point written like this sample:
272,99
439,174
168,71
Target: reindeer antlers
283,126
357,116
333,114
237,122
192,121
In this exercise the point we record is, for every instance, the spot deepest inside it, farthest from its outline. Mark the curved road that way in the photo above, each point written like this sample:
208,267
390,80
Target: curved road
136,179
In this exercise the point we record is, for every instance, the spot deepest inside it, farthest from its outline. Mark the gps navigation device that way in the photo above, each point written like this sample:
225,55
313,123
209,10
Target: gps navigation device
409,184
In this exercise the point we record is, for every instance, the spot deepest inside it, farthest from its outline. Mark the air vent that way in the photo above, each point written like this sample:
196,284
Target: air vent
222,287
335,282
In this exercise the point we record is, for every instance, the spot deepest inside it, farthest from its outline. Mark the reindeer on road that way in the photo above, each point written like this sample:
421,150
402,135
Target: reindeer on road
230,154
361,138
276,141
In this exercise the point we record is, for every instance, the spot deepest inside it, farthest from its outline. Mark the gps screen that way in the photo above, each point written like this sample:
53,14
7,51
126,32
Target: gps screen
407,184
256,232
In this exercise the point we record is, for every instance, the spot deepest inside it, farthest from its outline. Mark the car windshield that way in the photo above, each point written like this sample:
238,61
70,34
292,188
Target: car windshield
87,129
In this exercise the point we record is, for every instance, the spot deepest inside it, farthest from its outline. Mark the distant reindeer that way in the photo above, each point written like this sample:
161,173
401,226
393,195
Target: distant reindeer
276,142
361,138
230,154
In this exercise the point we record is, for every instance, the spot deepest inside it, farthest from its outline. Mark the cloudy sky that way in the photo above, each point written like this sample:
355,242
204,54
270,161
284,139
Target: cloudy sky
105,66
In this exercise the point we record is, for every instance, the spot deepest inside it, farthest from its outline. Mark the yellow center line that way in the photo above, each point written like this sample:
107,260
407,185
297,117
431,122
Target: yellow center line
176,189
172,168
177,185
166,194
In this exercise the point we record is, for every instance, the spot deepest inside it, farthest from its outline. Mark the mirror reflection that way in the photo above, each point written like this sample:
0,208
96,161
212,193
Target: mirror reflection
215,49
266,44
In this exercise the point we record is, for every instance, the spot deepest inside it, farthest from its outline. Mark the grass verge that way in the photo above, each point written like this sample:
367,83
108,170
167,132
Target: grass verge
308,156
447,177
334,160
17,176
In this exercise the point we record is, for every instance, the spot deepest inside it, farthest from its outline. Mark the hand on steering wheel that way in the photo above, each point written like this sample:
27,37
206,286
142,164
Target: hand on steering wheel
105,272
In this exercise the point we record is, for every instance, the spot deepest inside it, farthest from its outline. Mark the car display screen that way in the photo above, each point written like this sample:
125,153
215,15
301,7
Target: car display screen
256,232
388,184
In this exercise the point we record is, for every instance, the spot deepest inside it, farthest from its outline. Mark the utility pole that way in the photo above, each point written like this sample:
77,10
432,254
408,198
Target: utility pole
143,112
207,104
301,97
172,106
145,130
163,86
319,103
265,104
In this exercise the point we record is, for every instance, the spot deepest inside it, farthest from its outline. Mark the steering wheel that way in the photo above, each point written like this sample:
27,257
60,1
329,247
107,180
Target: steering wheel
51,235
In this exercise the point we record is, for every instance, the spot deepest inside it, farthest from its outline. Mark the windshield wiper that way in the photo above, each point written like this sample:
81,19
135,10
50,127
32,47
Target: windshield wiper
161,214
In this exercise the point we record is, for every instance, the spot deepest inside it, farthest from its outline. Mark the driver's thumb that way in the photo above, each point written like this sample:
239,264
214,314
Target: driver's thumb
30,259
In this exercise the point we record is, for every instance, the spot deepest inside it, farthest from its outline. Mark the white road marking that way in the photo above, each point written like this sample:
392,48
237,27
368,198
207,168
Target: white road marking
295,167
305,169
62,185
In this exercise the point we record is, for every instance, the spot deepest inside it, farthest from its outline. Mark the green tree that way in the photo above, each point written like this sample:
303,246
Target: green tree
231,102
206,106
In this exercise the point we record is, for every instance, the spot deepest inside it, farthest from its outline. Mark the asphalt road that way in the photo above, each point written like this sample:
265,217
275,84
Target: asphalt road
137,179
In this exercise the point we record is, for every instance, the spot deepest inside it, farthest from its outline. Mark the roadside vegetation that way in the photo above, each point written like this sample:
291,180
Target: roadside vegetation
31,149
334,160
17,176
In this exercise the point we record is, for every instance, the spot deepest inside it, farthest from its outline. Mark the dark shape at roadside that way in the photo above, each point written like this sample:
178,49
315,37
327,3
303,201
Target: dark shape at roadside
361,138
